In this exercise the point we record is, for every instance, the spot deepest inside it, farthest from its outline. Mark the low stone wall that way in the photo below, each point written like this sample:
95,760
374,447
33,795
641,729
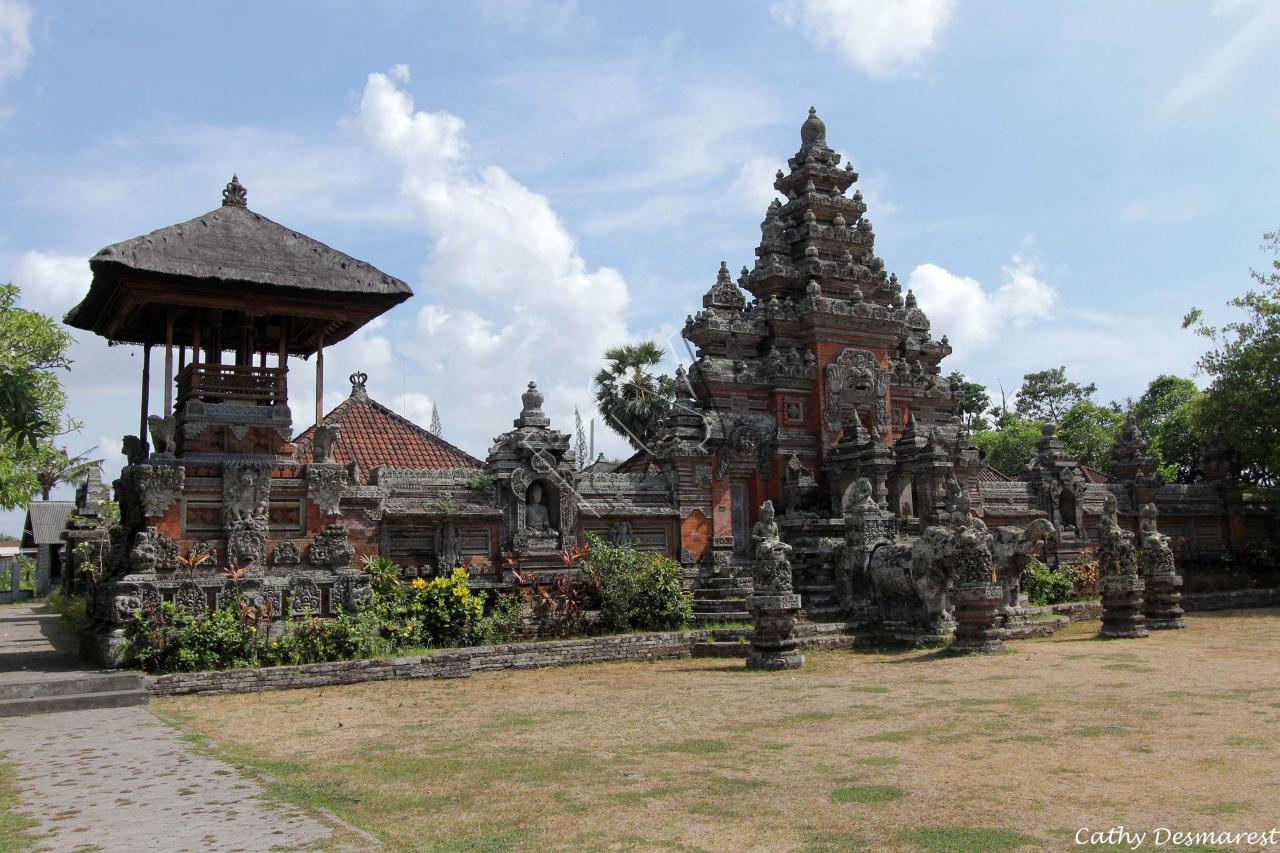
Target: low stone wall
1236,599
461,663
453,663
1078,611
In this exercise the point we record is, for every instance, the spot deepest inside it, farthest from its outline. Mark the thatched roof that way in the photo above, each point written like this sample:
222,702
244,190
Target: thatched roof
230,251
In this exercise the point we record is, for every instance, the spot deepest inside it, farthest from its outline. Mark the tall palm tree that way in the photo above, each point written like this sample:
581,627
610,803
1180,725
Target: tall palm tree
55,465
630,395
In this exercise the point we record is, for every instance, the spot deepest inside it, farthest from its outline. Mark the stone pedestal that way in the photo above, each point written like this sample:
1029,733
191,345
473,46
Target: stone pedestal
1122,607
773,640
977,618
1162,603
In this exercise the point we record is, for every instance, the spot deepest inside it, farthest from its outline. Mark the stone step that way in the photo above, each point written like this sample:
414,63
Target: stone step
717,582
707,605
728,616
721,649
73,702
808,628
1036,628
820,612
88,683
720,594
740,648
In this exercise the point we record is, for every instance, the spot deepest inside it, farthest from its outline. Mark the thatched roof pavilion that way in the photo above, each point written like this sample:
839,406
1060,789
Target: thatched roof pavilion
231,281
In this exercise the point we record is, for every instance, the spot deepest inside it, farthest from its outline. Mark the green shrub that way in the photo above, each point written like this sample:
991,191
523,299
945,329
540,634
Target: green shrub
1045,586
638,590
450,613
505,622
440,612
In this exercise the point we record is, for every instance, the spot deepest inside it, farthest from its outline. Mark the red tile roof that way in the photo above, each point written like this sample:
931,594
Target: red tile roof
1093,475
639,462
373,435
987,474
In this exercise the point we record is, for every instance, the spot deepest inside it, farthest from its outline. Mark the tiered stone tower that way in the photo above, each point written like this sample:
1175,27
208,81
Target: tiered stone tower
828,373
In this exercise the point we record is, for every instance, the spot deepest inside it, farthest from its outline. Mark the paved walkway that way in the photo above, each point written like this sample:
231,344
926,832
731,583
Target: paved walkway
121,781
35,646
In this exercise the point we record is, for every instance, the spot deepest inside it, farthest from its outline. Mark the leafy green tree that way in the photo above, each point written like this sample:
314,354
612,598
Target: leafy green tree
1089,430
1047,394
973,403
1011,445
1243,398
1169,413
32,347
630,395
1180,440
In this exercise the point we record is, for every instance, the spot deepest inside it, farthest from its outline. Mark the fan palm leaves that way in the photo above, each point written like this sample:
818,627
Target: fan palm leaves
631,396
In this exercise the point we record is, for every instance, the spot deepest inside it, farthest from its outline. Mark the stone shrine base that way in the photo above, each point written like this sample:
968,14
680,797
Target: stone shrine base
1162,604
977,619
1122,608
774,644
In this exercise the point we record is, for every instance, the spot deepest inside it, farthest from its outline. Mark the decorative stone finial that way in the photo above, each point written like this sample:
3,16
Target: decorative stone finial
723,275
531,415
911,299
234,194
813,131
358,381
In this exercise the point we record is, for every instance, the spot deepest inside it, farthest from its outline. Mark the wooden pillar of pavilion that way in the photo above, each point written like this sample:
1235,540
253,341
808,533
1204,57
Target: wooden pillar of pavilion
146,395
320,380
168,363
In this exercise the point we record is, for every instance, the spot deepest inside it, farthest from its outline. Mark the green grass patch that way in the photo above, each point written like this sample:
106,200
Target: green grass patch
812,716
866,794
723,785
878,761
889,737
500,842
700,746
964,839
1245,740
1222,808
13,826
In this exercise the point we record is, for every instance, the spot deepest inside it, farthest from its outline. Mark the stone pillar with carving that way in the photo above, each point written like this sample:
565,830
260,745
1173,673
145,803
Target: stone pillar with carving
773,603
1162,602
1122,589
977,595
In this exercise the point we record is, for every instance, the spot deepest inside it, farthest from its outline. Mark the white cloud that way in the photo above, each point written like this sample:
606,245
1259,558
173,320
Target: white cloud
51,283
511,297
972,316
1172,212
881,38
15,37
754,183
1210,75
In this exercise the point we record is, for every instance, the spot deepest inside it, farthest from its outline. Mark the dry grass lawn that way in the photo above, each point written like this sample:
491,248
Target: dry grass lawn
876,751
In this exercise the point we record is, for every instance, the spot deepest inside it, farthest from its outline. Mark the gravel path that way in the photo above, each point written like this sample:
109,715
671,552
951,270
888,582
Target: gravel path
121,780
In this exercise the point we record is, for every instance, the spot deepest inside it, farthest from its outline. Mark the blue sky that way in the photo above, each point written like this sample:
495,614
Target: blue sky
1059,182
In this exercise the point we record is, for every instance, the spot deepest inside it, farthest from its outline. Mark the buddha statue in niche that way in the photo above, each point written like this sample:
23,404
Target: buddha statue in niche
535,511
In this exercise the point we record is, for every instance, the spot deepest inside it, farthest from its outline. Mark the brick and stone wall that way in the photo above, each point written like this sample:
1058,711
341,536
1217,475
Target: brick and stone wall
460,663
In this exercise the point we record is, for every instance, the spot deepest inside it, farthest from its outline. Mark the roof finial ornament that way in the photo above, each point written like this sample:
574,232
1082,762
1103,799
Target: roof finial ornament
358,380
813,131
234,194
